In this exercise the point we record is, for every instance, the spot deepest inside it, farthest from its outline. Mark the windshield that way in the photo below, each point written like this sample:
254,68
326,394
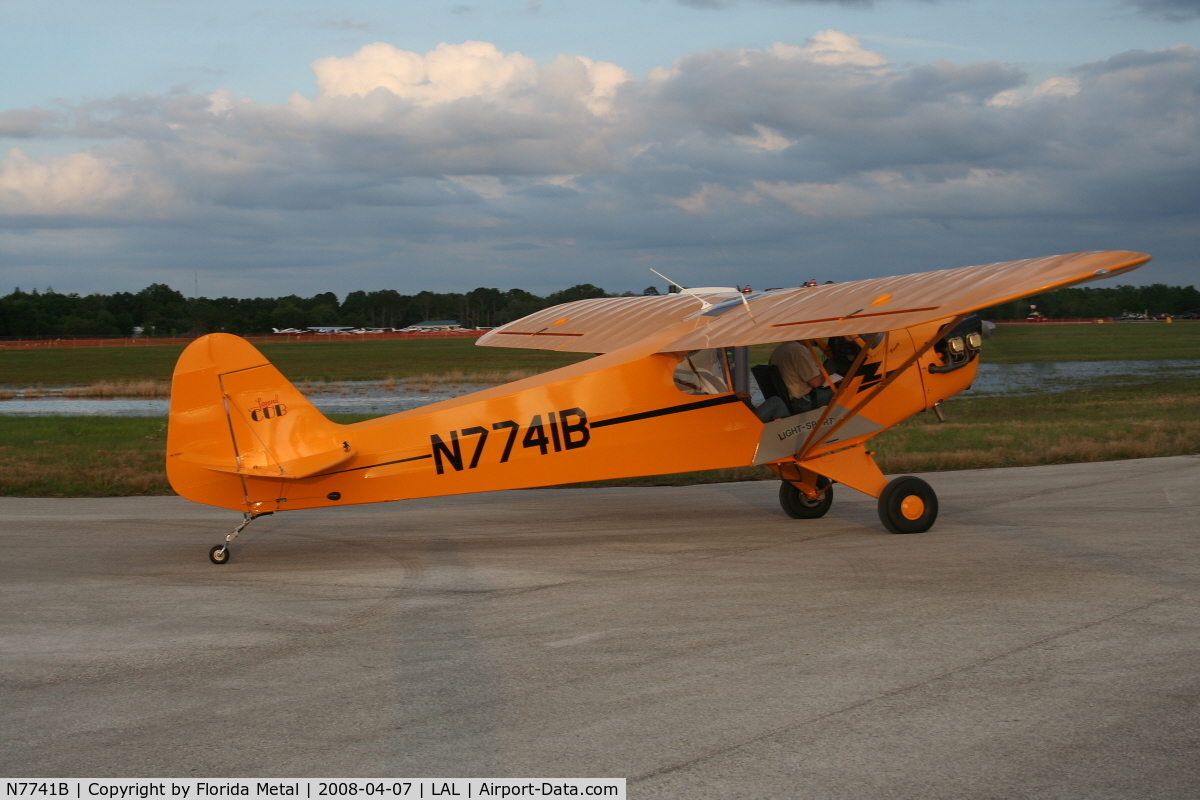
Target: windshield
702,372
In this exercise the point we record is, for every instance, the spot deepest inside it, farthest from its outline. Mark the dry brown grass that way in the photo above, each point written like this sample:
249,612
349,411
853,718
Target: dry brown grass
1066,451
457,381
491,378
119,389
454,381
145,388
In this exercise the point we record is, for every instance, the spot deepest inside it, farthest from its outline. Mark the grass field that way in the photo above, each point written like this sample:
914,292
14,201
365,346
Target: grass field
1140,421
1018,344
82,456
371,360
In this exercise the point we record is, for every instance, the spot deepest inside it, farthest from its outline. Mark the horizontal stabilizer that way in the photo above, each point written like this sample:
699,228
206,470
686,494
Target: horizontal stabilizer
303,467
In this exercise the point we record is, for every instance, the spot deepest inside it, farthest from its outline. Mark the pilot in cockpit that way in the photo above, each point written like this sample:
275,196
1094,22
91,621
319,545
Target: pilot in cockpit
802,379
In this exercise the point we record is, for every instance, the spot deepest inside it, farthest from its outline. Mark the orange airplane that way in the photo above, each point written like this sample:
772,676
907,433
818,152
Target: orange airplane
666,392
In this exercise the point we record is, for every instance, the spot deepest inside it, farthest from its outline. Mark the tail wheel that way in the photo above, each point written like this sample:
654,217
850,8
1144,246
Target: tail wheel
219,554
908,505
798,506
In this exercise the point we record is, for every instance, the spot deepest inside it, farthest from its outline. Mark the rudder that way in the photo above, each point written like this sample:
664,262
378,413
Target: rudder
238,428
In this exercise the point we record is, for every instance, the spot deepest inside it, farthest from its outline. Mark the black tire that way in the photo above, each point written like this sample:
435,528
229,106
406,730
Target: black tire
908,505
797,506
219,554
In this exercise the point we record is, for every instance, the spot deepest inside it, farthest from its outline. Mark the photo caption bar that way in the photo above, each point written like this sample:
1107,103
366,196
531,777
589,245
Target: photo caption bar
416,788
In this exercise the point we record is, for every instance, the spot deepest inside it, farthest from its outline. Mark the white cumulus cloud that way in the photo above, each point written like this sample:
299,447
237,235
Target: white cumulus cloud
450,72
77,184
469,70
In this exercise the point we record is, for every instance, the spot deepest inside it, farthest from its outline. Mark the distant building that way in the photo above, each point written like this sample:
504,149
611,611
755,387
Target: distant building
439,325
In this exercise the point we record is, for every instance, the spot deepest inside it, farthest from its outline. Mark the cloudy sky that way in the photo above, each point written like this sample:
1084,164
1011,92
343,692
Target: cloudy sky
267,148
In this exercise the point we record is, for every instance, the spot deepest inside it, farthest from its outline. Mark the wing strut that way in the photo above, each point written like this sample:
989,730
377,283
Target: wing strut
843,389
887,381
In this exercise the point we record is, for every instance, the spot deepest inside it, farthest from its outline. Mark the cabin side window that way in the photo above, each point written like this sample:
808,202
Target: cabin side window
702,372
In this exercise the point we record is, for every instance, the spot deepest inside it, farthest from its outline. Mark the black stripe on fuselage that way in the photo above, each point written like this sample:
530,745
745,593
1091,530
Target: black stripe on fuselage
369,466
658,412
662,412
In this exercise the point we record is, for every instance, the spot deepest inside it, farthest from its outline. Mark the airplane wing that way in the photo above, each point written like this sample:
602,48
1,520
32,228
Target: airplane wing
867,306
600,325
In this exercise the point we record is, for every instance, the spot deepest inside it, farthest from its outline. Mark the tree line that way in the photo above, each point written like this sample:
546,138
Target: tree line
1100,302
160,310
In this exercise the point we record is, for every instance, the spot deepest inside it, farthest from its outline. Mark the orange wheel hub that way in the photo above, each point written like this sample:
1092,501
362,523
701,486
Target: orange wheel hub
912,507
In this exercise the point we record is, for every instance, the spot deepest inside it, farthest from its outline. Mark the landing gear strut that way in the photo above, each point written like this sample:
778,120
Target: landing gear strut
219,554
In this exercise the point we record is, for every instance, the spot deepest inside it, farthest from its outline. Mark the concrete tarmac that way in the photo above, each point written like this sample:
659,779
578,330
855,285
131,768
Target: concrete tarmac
1042,641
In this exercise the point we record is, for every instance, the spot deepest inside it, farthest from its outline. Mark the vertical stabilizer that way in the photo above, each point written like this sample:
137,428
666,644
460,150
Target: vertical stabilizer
235,417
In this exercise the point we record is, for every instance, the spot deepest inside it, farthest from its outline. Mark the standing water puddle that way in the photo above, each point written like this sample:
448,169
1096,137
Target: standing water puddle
377,399
1065,376
357,397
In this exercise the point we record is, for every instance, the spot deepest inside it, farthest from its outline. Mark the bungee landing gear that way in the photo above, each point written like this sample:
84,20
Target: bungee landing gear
797,505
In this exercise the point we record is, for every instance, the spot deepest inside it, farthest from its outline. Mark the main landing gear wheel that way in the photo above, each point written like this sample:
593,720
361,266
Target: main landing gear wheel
219,554
797,506
908,505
